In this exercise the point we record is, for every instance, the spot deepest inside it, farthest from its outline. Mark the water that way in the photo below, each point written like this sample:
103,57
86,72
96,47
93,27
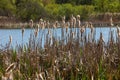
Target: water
17,35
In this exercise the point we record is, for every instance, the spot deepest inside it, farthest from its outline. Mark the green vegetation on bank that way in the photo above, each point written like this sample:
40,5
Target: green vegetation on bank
54,9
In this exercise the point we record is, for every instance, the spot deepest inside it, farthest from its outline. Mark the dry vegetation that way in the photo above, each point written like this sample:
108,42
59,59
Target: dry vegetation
73,57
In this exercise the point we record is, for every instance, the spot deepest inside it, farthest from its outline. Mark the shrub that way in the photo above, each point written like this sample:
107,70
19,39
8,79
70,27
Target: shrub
30,10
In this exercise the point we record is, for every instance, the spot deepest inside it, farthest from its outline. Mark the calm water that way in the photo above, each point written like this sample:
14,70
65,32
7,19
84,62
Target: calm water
17,35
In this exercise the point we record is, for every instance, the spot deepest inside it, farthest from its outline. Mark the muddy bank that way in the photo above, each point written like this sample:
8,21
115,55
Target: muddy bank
98,20
103,19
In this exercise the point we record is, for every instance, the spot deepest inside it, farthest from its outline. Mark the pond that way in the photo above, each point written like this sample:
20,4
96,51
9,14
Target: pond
18,40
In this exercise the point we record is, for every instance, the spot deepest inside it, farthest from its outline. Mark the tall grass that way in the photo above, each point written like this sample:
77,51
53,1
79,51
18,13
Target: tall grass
72,57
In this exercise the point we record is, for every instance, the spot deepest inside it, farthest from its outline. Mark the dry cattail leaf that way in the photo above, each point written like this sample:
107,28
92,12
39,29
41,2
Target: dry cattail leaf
92,77
10,67
41,77
4,78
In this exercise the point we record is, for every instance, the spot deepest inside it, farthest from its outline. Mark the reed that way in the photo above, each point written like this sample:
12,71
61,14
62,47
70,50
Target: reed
72,57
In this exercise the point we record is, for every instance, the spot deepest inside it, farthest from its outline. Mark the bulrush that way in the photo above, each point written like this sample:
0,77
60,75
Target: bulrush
67,25
111,21
10,39
38,27
74,21
118,31
73,34
48,24
23,29
101,38
55,25
63,22
36,33
49,31
42,24
92,31
91,27
31,23
82,29
86,24
45,24
78,23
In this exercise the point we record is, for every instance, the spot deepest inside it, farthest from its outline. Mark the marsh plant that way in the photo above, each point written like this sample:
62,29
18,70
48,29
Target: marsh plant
75,56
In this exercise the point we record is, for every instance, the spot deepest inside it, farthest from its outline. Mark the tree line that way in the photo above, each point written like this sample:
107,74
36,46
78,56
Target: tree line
54,9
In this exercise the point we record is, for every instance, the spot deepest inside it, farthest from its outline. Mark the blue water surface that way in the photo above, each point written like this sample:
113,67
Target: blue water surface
17,38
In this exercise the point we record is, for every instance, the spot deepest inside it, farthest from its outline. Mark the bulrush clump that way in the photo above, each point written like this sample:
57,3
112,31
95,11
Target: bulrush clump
71,56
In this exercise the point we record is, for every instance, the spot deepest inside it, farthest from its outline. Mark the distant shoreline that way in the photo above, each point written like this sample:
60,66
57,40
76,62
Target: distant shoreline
26,25
98,20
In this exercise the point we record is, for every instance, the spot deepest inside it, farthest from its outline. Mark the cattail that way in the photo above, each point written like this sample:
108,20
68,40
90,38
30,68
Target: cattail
56,23
86,24
78,16
63,21
67,25
10,38
42,23
78,23
49,31
111,22
118,31
38,27
23,31
36,32
101,37
48,24
73,34
31,23
45,24
82,29
91,27
74,22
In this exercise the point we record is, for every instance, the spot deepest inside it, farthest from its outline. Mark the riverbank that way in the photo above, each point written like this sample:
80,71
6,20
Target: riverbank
98,20
26,25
